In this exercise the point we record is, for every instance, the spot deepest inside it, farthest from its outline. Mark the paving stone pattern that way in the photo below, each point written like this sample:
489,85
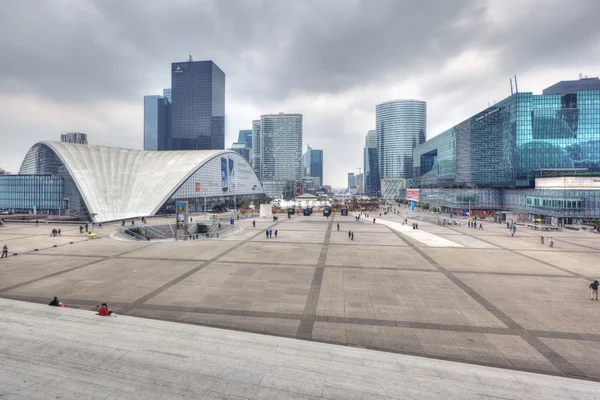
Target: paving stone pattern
488,298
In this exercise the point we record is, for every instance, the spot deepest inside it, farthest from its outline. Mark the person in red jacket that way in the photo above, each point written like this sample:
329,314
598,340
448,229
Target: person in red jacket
103,310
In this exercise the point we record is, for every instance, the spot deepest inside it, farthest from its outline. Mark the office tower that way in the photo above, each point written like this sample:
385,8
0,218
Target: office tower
372,182
245,137
401,125
359,183
280,164
566,87
242,150
167,95
74,137
198,106
157,118
312,162
351,180
256,147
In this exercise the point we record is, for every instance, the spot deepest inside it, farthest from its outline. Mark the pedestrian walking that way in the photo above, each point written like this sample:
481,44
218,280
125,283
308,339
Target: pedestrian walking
4,251
275,233
37,222
542,240
338,226
59,233
352,235
551,242
373,220
480,227
593,289
267,233
132,223
80,229
270,233
254,224
100,225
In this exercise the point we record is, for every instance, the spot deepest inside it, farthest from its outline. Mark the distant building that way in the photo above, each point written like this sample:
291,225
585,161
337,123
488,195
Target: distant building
157,123
401,126
566,87
74,137
198,106
351,180
256,146
3,172
358,180
372,182
312,162
310,184
242,150
278,145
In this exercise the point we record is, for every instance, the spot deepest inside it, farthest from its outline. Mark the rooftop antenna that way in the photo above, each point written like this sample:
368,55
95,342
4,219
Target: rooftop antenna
516,85
190,59
511,88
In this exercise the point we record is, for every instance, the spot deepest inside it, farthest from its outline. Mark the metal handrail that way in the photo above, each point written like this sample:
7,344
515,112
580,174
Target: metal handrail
155,231
131,233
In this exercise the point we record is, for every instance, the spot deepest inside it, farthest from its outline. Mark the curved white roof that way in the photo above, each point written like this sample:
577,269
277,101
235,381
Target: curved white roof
118,183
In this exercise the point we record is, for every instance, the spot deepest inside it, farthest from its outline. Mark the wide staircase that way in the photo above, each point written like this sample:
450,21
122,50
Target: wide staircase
63,353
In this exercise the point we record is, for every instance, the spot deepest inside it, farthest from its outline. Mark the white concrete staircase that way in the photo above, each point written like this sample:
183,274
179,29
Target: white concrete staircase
48,353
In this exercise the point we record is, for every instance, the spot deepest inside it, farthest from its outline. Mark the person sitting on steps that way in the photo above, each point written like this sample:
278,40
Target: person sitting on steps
103,311
56,303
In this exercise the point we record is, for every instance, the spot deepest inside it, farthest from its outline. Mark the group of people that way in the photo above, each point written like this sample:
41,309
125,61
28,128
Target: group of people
415,226
269,233
550,242
56,232
103,310
351,235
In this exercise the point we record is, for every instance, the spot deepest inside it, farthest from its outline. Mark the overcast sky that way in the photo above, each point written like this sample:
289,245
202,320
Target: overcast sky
84,66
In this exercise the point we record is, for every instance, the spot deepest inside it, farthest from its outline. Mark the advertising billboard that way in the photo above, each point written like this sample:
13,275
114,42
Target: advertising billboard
412,194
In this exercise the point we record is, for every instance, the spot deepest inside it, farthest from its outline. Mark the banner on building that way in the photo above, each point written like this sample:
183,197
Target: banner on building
412,194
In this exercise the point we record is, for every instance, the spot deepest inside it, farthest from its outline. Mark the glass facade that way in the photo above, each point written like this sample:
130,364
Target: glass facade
312,161
371,168
198,106
514,141
371,140
157,118
280,153
242,150
401,125
255,157
74,137
24,193
351,180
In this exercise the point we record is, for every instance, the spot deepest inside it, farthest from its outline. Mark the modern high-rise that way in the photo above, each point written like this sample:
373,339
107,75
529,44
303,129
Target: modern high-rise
74,137
401,125
280,153
198,106
372,183
256,147
157,123
351,180
312,162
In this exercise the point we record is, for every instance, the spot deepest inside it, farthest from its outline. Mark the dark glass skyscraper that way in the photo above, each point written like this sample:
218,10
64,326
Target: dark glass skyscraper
198,106
157,123
371,165
312,161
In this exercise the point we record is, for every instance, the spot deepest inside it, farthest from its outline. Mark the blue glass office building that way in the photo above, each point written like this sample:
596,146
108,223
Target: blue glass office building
312,161
401,125
372,181
514,141
198,106
157,123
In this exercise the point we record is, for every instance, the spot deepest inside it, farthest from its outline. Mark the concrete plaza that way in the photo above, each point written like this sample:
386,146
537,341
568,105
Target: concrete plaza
476,296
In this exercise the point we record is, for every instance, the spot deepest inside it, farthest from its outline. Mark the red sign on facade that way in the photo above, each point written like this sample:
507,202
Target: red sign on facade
197,186
412,194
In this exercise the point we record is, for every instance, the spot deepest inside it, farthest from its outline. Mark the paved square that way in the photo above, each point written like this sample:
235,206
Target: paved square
476,296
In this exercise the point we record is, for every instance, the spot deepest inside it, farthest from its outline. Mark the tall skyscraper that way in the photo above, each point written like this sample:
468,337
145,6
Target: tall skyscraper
198,106
312,162
280,154
157,123
256,147
372,183
351,180
401,125
74,137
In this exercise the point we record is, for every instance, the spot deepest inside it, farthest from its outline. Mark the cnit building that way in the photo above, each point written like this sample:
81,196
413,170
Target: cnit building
529,158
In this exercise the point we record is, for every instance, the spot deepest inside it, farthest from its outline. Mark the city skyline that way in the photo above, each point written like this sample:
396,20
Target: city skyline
456,71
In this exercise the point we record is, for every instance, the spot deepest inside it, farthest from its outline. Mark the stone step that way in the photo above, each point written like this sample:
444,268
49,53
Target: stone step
75,354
